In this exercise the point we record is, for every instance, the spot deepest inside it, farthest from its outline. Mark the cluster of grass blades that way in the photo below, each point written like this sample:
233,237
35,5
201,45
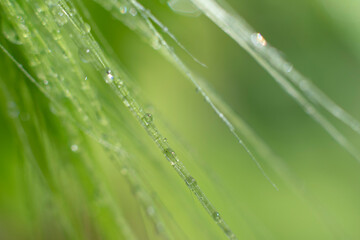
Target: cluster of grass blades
80,124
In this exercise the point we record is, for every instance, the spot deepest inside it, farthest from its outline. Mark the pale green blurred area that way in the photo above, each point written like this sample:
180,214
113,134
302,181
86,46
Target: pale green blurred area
321,39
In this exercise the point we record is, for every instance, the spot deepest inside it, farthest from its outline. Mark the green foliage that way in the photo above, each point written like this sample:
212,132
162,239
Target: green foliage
85,168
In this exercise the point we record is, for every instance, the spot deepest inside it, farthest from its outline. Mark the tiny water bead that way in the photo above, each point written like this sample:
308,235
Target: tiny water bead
157,43
258,40
184,7
216,216
13,110
74,148
148,119
60,17
150,211
170,154
9,32
191,182
133,12
86,55
86,28
109,77
288,67
123,9
123,90
230,234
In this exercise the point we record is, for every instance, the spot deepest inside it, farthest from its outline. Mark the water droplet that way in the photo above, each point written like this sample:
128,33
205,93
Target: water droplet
74,148
9,32
148,118
184,7
59,16
13,110
288,67
53,109
230,234
133,12
126,102
20,18
123,9
67,93
85,55
165,140
51,3
258,40
123,90
216,216
109,77
150,211
157,43
86,28
25,31
170,154
46,82
191,182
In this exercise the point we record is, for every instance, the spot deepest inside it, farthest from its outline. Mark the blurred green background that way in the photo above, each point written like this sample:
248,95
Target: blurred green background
321,38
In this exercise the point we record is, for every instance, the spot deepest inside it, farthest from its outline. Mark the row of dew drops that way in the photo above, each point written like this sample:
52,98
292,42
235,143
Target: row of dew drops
86,56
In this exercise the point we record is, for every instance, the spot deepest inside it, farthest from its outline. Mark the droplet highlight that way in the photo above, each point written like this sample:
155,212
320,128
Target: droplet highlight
216,216
148,119
258,40
86,55
9,32
109,78
74,148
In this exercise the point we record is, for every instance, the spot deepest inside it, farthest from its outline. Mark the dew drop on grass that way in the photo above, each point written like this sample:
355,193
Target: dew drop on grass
191,182
74,148
133,12
150,211
148,118
123,9
157,43
109,77
13,110
258,40
85,55
86,28
170,154
288,67
184,7
59,16
9,32
216,216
